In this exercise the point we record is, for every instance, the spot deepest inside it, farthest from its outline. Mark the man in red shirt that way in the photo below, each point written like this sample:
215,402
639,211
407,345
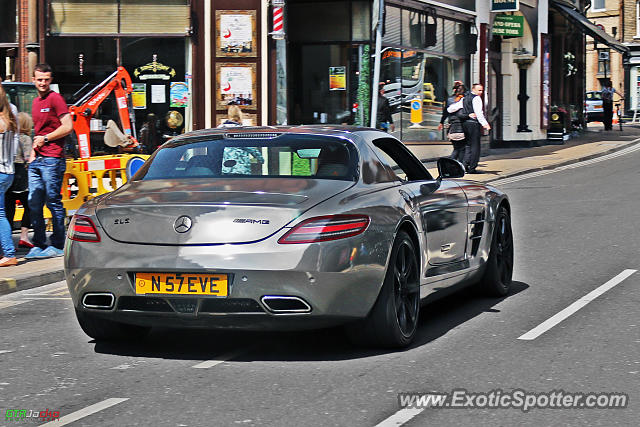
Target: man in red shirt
52,123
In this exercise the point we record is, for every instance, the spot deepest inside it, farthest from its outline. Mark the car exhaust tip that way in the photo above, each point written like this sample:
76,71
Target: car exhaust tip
285,304
101,301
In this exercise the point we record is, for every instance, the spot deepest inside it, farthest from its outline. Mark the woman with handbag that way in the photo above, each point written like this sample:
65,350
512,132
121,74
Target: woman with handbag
456,132
19,190
8,143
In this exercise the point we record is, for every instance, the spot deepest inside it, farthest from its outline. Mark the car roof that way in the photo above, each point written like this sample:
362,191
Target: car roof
258,131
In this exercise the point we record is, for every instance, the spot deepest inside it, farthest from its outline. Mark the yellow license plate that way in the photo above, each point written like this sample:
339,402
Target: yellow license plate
182,284
597,107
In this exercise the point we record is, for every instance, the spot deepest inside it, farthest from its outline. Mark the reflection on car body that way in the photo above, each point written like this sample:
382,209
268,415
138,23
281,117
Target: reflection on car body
337,225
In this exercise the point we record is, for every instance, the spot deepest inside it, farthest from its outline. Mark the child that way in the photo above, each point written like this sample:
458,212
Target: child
19,190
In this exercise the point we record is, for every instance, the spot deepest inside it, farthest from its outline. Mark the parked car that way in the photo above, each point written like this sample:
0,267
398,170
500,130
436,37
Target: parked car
593,107
284,228
21,94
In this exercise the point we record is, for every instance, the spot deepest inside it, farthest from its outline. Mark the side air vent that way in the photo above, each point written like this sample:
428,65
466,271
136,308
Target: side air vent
250,135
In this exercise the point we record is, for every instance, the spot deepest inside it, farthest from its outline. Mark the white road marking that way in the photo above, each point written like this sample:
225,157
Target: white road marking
85,412
610,156
6,351
221,359
400,417
563,314
6,304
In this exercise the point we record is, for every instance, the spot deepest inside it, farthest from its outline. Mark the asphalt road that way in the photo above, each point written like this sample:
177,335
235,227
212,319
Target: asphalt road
575,231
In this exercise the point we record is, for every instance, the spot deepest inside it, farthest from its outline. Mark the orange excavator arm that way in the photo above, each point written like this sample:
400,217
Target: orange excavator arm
82,111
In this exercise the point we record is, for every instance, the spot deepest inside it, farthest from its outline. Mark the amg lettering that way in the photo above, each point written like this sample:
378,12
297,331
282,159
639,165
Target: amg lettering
251,221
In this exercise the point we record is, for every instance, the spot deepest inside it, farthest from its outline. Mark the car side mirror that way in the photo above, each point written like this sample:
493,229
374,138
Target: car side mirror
449,168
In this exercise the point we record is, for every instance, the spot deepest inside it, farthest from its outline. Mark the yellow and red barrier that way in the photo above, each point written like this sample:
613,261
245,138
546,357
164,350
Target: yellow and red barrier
85,179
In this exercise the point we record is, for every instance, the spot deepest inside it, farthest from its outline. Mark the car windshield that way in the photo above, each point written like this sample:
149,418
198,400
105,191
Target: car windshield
592,96
242,156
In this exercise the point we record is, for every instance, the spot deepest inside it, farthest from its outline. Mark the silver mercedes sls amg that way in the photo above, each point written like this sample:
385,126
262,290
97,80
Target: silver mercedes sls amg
284,228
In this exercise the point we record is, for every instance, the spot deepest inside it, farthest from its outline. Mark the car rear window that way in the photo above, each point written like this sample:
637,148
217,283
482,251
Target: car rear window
286,155
591,96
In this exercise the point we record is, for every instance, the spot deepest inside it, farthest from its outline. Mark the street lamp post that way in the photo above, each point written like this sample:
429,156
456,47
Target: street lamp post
523,62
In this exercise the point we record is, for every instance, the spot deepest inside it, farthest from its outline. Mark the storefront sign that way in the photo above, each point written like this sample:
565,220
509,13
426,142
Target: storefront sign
139,96
508,26
546,80
337,78
236,33
178,94
237,85
154,70
504,5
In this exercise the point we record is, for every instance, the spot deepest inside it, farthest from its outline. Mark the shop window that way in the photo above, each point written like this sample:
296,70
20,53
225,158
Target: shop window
456,38
360,21
168,16
8,21
392,26
413,28
603,62
119,16
308,21
637,20
83,16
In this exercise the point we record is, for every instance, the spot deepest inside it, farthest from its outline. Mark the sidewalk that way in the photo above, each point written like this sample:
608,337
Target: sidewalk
505,162
494,165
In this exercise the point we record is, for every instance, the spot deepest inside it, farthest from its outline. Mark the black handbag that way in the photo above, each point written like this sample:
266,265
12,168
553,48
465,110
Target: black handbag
20,178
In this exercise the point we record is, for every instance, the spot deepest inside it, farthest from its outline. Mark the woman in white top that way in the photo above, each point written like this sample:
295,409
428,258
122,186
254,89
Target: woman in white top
8,144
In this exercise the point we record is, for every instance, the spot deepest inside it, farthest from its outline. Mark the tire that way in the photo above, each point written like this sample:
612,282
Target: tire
497,277
108,330
393,320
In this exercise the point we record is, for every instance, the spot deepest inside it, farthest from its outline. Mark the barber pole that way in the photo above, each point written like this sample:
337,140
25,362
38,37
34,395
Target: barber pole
278,19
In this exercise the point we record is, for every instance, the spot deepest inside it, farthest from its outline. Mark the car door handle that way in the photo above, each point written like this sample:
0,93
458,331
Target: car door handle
445,248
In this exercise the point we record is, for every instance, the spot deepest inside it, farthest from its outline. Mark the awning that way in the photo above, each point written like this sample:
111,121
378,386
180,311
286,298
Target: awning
587,26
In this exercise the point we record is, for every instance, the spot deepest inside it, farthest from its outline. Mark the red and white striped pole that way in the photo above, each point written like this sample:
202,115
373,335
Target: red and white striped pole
278,20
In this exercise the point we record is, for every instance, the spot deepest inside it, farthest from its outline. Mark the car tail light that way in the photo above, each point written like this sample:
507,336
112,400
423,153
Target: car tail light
83,230
324,228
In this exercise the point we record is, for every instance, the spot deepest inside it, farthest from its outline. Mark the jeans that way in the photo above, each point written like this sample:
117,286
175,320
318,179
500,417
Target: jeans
6,241
45,182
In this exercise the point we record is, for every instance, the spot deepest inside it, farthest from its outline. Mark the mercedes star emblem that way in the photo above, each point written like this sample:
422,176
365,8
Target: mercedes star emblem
182,224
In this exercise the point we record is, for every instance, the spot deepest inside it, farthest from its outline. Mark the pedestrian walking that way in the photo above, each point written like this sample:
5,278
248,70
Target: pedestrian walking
383,115
445,113
473,120
607,104
455,133
19,190
52,123
8,143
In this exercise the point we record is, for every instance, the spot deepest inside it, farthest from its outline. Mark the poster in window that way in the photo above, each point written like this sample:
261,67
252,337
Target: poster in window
158,95
337,78
139,96
178,94
236,85
236,33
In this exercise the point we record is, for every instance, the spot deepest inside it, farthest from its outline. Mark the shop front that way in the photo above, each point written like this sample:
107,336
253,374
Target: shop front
425,48
88,39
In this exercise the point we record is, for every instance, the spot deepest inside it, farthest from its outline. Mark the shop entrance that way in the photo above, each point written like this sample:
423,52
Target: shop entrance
322,83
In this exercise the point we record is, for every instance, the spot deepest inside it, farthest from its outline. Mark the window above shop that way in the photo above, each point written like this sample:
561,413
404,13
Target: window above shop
119,17
598,5
8,21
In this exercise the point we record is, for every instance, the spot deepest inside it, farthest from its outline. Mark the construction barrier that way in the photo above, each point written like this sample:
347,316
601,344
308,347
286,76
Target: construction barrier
85,179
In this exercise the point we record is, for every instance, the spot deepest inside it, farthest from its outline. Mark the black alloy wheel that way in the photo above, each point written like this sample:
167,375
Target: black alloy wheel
406,288
497,277
393,320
